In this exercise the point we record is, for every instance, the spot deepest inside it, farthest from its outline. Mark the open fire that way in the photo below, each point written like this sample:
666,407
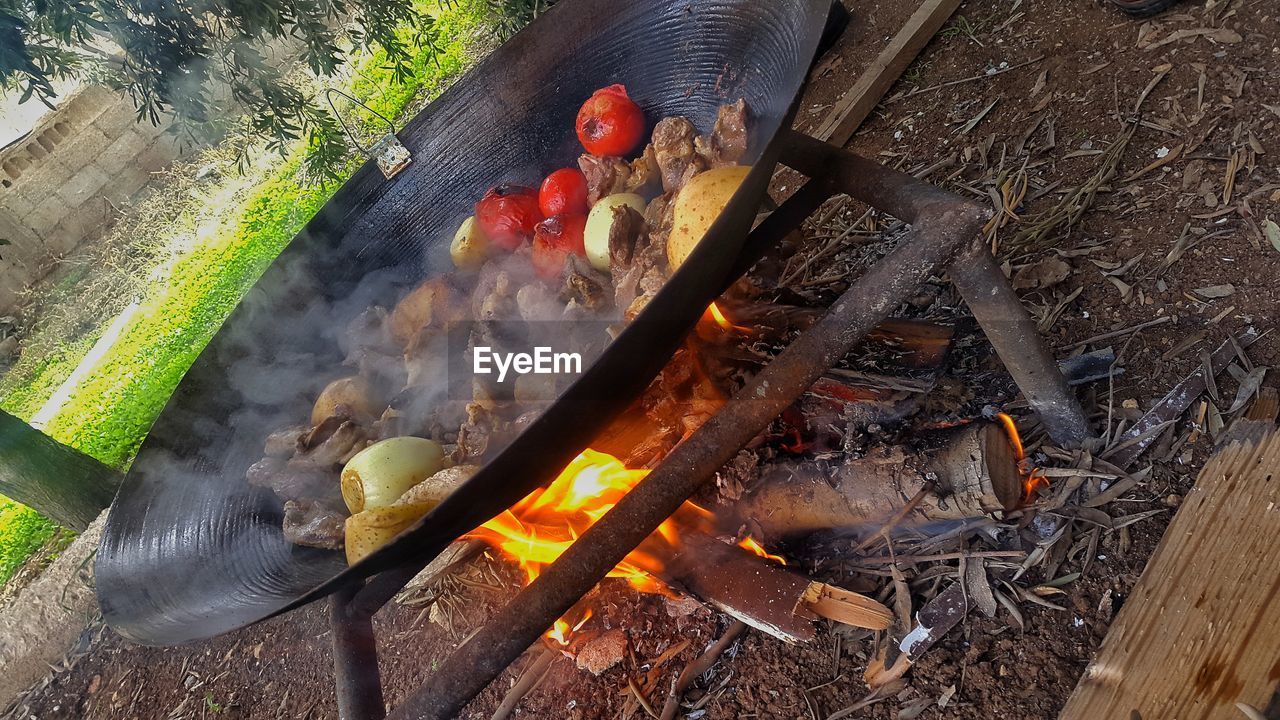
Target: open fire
537,530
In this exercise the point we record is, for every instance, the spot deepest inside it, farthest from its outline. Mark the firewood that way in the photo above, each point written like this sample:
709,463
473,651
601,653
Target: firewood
1201,630
975,474
769,597
916,343
637,439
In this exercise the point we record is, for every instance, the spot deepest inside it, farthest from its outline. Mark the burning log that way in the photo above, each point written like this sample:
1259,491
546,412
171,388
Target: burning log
741,580
765,595
976,473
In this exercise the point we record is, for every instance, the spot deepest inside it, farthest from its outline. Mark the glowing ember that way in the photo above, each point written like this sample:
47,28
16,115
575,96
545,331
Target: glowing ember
1031,477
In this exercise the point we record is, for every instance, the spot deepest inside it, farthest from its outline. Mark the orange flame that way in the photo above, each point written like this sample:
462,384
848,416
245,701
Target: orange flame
559,633
539,528
749,543
716,316
1031,477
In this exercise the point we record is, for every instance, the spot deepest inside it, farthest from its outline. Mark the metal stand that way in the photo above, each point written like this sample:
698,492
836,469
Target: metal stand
355,660
945,235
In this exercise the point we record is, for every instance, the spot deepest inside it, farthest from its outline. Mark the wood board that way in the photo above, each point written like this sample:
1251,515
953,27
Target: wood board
1201,630
848,113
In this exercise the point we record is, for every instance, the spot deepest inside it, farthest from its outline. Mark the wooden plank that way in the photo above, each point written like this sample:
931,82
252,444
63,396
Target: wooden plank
1201,631
855,106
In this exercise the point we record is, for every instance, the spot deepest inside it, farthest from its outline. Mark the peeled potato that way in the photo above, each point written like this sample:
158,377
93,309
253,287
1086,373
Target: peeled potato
698,204
470,246
423,305
378,475
354,392
436,488
369,530
600,223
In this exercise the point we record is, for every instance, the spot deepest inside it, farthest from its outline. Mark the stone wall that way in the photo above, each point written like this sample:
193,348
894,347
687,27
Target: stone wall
62,184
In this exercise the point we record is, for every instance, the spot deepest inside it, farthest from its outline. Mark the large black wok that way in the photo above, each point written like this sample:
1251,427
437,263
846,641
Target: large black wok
190,549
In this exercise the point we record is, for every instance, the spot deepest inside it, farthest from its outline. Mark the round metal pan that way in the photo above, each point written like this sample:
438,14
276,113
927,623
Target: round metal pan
190,549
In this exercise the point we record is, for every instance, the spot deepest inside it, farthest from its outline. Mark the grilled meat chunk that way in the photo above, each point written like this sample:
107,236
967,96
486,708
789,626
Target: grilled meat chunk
475,433
727,143
605,175
295,482
314,524
260,473
674,152
584,284
645,177
331,442
283,443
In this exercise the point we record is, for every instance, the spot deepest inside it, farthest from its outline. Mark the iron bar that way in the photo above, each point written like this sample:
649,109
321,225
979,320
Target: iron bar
355,660
1017,341
942,225
905,197
986,291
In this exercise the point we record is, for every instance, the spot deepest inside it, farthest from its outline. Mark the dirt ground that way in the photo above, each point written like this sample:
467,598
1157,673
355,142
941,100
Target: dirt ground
1040,89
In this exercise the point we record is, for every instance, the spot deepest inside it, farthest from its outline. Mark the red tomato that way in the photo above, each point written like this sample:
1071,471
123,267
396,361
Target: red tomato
564,191
609,123
553,240
507,214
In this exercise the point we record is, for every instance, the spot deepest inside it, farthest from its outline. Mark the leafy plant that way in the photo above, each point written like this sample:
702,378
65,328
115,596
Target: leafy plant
176,54
511,15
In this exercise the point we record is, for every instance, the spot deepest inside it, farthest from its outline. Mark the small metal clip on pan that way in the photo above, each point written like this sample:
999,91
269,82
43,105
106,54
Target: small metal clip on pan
390,154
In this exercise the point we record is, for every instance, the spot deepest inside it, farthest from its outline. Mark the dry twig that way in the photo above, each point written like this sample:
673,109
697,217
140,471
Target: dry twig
698,667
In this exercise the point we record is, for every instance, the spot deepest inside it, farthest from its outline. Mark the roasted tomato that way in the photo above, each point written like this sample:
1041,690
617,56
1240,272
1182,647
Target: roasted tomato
553,240
507,214
564,191
609,123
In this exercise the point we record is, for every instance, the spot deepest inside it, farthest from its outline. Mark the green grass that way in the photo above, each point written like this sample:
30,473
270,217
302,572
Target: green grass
111,410
22,532
44,375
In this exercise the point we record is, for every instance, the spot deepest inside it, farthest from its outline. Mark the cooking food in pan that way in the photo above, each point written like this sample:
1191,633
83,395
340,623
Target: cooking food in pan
384,445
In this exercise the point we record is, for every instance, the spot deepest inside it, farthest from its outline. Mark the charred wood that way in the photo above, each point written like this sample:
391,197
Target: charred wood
765,595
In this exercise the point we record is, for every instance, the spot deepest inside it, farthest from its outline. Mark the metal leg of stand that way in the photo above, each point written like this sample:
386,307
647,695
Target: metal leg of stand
1017,341
355,660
